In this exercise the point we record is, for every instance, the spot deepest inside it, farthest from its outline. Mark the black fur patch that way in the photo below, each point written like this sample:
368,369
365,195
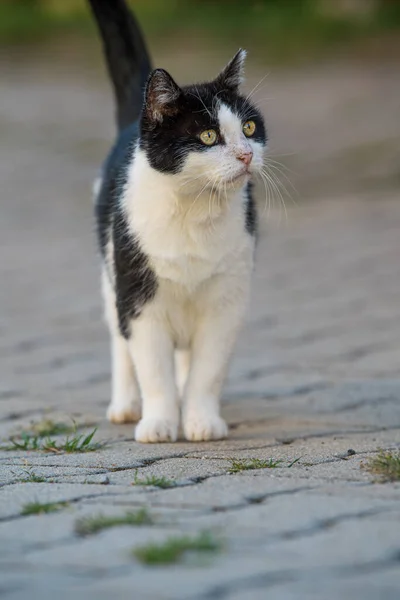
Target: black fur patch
135,282
168,142
113,182
251,211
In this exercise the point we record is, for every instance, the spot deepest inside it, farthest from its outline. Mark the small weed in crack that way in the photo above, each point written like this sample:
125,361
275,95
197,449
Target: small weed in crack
238,465
92,525
174,548
386,465
39,508
160,482
253,463
31,477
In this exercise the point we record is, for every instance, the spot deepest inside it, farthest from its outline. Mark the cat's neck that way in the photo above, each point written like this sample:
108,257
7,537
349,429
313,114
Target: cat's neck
173,196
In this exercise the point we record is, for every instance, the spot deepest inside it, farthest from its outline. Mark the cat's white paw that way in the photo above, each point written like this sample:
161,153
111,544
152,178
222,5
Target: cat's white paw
123,414
156,430
204,428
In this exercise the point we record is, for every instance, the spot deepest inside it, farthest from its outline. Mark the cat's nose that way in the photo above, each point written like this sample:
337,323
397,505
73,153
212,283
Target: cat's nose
245,157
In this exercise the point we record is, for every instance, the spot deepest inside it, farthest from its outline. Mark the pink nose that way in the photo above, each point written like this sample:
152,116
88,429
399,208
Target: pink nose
245,157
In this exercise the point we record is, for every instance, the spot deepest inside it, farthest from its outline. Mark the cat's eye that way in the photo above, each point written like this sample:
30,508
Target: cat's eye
208,137
249,128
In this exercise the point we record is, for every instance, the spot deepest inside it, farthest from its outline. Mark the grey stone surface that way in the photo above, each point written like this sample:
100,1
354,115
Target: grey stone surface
316,371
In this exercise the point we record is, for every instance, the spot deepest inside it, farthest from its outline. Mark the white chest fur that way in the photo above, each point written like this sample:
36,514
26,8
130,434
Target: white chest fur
188,240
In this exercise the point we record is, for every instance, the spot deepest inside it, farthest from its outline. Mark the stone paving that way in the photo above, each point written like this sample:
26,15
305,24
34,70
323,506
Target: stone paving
315,375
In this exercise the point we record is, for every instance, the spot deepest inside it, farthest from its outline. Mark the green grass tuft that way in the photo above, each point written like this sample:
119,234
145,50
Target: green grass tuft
386,465
253,463
160,482
92,525
23,442
75,443
39,508
31,477
174,548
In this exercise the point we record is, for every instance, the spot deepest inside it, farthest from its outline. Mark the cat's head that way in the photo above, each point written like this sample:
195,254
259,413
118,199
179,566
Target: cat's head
206,134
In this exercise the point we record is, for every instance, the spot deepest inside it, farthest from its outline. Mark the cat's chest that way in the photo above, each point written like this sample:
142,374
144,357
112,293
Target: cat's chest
188,272
188,254
184,255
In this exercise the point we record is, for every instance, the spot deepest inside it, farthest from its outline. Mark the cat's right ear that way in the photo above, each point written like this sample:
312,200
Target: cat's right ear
161,96
231,76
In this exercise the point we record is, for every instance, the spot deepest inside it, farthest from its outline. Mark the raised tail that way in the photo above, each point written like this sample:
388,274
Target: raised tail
128,60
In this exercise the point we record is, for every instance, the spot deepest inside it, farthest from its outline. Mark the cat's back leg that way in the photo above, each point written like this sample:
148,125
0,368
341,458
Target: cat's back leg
125,405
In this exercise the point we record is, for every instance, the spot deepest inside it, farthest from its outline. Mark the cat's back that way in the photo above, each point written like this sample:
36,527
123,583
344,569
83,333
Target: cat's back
112,181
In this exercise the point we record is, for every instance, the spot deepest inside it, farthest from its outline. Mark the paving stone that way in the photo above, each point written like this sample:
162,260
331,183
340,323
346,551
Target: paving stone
365,586
14,497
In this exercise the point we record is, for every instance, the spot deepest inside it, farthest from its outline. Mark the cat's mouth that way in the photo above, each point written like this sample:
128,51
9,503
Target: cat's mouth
245,172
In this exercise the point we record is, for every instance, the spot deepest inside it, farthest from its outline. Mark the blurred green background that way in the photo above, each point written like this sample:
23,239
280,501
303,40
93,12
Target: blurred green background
325,73
287,29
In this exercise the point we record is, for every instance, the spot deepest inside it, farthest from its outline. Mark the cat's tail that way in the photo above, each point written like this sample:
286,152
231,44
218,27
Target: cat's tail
128,60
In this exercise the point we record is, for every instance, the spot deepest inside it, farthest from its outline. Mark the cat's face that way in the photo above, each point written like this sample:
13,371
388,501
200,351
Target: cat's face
207,136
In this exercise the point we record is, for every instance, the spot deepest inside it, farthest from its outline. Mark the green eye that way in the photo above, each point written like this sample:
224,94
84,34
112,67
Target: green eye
208,137
249,128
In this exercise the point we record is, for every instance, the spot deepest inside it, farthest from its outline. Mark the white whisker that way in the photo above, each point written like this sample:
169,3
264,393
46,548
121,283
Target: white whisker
276,189
255,88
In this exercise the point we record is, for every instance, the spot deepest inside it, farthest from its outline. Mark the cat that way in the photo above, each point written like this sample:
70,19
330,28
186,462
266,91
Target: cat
176,222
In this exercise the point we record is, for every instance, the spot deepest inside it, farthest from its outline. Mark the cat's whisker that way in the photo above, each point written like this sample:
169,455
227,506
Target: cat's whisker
281,184
283,155
205,107
267,204
255,88
215,99
273,170
220,190
192,179
210,203
248,113
271,160
276,189
269,189
277,169
208,182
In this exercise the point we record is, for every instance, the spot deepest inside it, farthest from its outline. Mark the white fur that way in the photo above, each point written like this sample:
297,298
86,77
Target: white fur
192,227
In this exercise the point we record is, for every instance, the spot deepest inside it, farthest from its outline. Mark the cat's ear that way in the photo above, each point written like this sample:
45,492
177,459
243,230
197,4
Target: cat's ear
161,95
232,75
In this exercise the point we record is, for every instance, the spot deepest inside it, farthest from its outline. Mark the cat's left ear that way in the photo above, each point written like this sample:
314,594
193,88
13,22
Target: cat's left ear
232,75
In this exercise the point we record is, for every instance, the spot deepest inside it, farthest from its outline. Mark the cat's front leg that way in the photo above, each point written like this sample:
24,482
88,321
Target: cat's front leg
153,355
212,347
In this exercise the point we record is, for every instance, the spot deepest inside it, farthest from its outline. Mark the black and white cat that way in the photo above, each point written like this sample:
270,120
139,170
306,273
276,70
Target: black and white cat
176,225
